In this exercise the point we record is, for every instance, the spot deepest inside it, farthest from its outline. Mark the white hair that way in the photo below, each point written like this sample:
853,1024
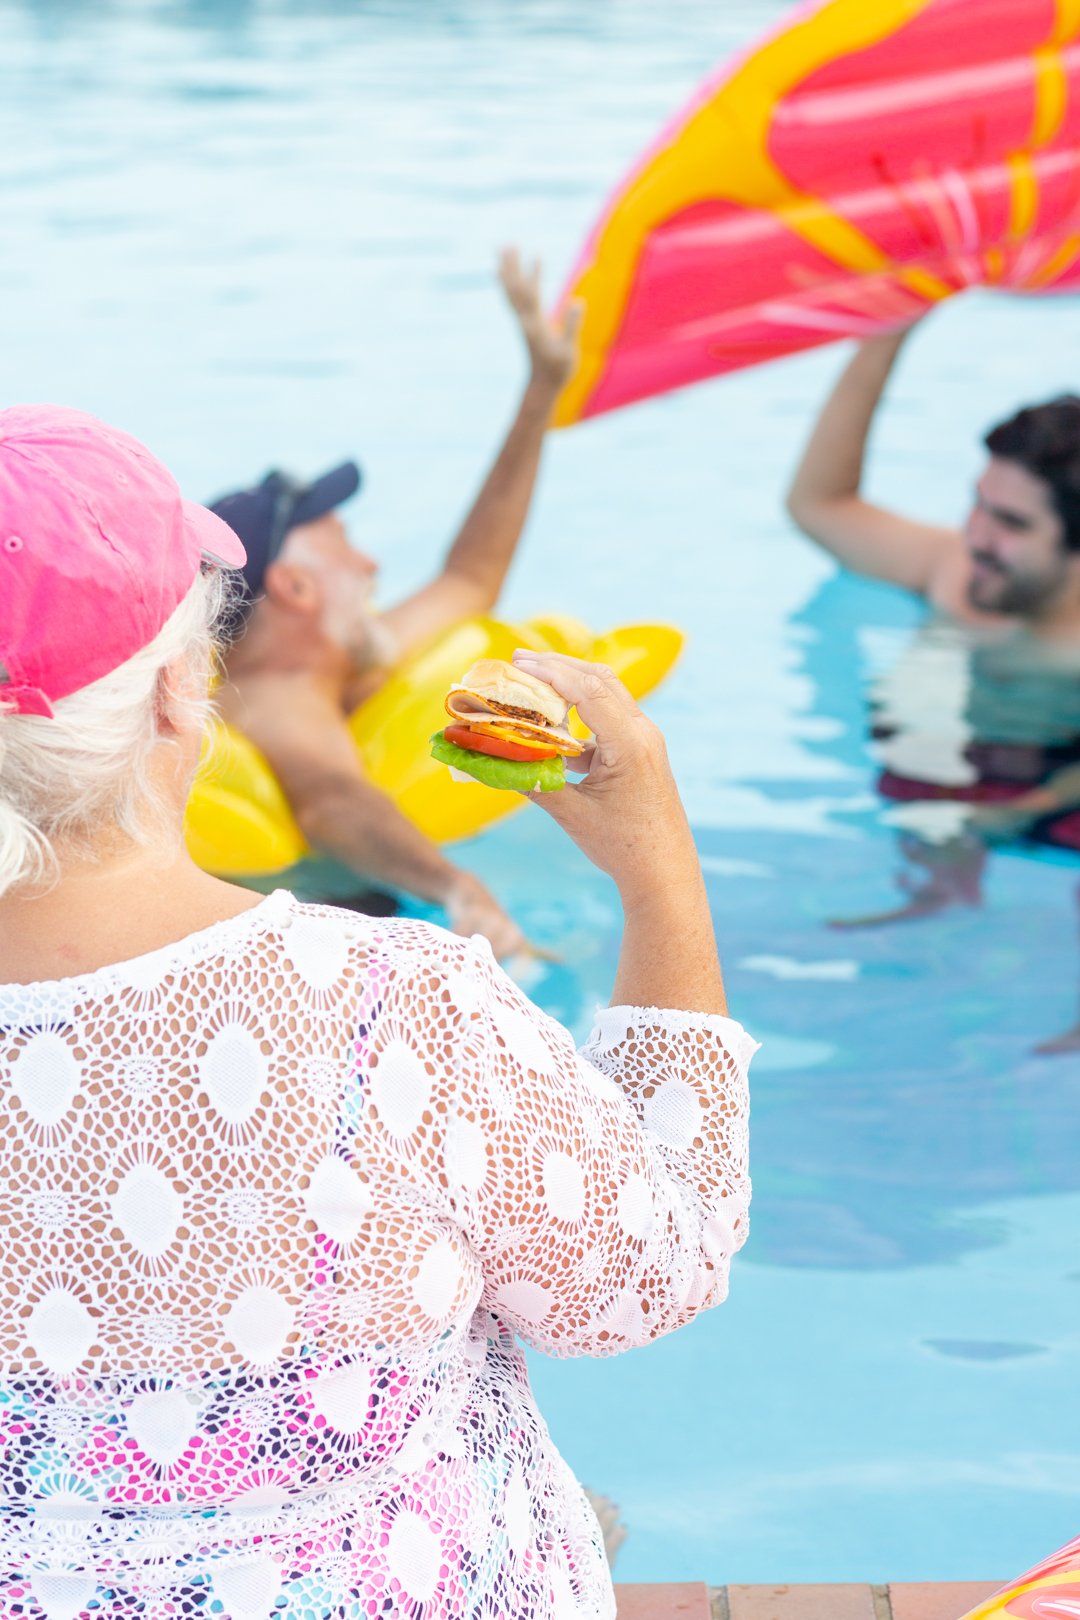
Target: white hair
68,780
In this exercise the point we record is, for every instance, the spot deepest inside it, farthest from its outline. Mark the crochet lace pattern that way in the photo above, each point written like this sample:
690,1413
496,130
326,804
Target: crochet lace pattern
279,1203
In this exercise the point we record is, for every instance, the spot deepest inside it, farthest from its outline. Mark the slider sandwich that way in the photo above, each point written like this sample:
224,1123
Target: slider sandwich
507,729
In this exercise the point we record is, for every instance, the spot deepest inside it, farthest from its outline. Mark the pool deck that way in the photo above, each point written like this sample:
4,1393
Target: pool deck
906,1600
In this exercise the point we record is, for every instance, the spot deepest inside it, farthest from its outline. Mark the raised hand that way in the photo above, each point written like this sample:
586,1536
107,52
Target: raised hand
552,344
626,815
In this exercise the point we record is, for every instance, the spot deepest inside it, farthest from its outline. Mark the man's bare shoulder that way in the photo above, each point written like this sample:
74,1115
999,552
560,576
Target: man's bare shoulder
950,595
951,579
272,706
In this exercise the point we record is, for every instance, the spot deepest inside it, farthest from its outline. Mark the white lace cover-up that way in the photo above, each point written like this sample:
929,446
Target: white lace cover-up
278,1203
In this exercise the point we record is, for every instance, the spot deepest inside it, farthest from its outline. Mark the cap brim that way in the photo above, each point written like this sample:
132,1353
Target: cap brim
325,493
216,540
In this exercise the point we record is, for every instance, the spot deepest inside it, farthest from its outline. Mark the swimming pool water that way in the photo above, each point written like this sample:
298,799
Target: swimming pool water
264,232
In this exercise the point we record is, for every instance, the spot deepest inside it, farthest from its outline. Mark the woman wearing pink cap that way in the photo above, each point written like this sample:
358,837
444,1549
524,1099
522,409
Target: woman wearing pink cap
283,1186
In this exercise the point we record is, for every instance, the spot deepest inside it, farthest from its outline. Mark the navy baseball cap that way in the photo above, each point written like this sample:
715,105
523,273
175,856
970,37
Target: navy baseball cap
262,517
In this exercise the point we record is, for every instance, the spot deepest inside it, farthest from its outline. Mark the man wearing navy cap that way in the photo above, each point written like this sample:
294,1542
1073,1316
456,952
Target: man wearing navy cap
310,646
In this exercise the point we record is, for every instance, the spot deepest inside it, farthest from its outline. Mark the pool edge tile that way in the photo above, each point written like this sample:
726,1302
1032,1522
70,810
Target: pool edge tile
938,1600
802,1602
683,1600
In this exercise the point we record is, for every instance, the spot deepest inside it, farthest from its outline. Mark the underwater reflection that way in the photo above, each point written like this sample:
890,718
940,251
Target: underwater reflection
977,736
898,1091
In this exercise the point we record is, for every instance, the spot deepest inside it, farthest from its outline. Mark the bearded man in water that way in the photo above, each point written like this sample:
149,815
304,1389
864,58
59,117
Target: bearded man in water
311,647
1005,590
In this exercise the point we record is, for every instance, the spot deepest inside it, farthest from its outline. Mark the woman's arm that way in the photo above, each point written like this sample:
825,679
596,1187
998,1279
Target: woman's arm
616,1184
628,819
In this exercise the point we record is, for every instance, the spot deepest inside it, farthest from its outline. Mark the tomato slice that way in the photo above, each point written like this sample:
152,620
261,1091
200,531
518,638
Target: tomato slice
500,747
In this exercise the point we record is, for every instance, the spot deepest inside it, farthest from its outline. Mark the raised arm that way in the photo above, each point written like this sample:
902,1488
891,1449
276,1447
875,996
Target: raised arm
628,819
594,1198
617,1186
825,497
477,563
342,814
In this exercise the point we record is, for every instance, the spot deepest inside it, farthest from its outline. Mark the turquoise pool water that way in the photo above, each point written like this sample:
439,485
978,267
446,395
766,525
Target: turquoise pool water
264,232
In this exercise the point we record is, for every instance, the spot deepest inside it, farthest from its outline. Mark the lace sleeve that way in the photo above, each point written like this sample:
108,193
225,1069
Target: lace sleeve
604,1192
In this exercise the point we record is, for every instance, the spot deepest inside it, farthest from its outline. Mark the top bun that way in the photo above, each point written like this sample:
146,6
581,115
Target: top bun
500,682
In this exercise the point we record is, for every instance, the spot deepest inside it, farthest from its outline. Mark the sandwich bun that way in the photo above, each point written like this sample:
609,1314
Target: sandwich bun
493,680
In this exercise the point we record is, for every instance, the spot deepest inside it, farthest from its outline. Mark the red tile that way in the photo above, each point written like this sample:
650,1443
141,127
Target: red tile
686,1601
948,1600
801,1603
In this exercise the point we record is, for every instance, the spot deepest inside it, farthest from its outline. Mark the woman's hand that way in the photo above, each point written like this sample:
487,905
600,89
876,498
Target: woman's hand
626,815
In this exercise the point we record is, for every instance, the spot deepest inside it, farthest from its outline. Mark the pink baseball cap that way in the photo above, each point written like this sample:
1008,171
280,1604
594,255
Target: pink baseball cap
97,550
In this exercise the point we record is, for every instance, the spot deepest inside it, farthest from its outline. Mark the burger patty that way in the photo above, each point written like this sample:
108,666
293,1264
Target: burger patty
511,713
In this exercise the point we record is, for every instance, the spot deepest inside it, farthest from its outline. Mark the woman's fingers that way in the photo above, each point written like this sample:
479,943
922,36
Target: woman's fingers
581,764
595,691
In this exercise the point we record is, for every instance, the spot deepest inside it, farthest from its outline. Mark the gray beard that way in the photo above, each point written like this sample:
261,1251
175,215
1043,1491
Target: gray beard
376,649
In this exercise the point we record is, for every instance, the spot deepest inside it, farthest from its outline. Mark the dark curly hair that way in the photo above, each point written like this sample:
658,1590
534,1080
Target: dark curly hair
1045,441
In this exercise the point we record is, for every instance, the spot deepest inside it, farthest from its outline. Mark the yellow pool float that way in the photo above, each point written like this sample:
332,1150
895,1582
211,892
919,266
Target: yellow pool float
239,821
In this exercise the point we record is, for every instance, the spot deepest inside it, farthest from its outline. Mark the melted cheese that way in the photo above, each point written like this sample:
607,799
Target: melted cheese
510,733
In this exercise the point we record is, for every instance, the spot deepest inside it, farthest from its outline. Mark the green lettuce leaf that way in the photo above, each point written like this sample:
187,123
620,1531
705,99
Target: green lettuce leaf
520,776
